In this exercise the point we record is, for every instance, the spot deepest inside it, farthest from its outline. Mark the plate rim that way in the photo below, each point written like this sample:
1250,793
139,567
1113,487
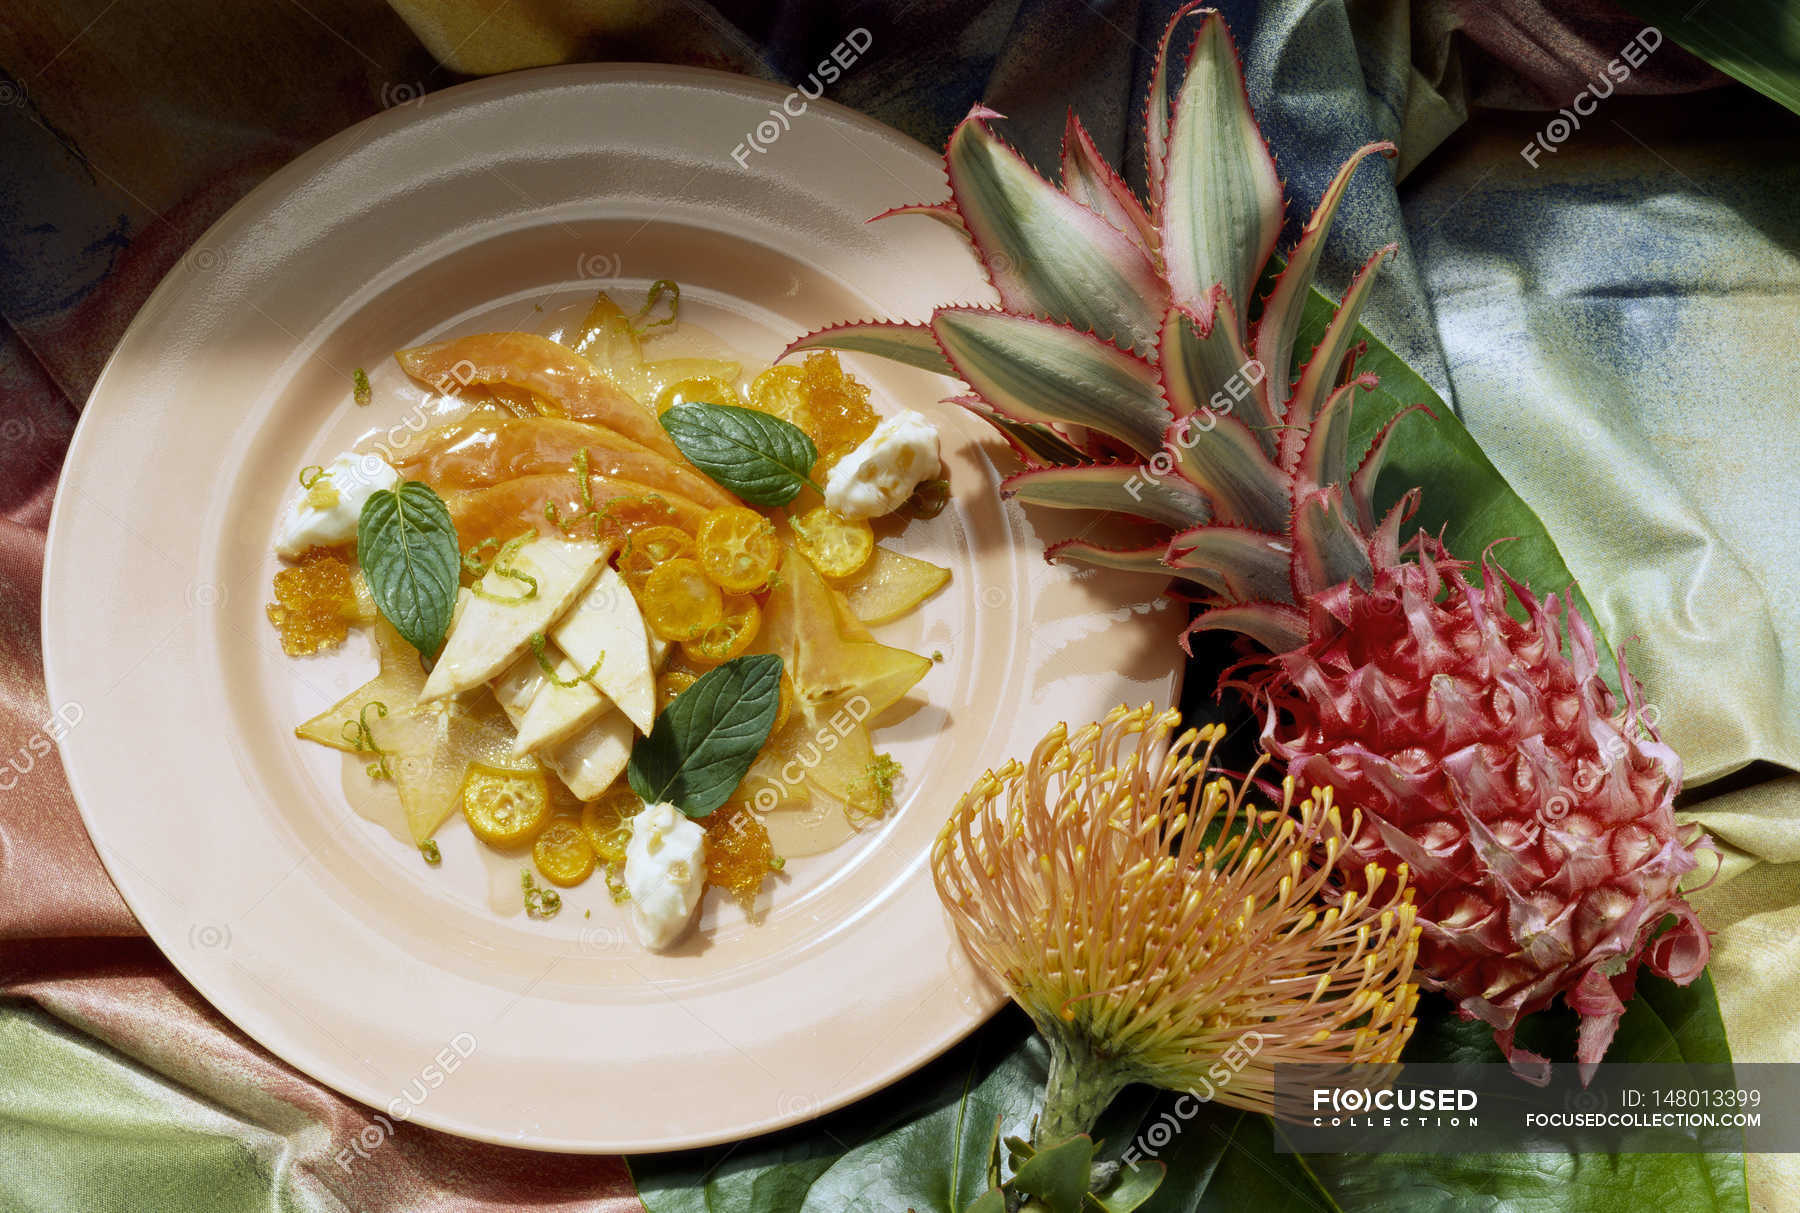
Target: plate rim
276,185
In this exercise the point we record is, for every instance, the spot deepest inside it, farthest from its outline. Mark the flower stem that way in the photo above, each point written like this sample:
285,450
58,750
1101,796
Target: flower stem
1081,1084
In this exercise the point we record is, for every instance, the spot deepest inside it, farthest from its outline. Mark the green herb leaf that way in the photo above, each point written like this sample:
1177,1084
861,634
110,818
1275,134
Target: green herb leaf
704,741
407,546
762,459
359,386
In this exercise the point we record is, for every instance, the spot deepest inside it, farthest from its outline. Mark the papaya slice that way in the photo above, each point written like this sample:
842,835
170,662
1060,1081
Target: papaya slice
538,365
511,508
485,449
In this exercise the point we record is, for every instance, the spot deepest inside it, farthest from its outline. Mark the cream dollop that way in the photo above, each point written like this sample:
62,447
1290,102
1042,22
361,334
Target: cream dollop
881,473
326,514
665,872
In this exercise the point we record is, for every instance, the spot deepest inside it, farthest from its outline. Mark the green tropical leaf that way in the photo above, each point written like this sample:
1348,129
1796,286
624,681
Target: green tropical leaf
1091,181
1220,456
1332,341
1325,459
1664,1023
1280,321
1131,560
1133,1189
1057,1175
1240,563
1215,373
1328,550
925,1142
1755,41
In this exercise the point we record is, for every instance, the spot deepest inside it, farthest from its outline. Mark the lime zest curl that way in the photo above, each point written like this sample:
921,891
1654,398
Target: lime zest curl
539,647
362,739
499,568
640,323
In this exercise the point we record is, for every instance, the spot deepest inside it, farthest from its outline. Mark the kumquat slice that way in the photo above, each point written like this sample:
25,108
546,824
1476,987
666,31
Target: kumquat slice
504,807
738,548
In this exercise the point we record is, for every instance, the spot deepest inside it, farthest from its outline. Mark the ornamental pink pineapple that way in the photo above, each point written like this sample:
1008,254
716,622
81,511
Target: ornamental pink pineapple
1536,818
1130,371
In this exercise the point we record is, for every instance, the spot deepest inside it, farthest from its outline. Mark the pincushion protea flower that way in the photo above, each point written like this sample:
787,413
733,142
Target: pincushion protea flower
1152,922
1133,372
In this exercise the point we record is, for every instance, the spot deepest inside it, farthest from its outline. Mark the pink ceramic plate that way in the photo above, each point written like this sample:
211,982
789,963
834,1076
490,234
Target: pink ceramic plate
313,930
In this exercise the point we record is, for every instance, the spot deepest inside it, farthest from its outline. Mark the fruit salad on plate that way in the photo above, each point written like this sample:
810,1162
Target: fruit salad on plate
621,596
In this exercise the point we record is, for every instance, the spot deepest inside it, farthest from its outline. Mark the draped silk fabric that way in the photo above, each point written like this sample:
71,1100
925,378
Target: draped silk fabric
1615,319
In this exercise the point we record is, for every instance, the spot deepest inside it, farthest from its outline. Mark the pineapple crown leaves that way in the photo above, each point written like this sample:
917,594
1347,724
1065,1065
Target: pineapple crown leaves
1091,181
944,212
1125,331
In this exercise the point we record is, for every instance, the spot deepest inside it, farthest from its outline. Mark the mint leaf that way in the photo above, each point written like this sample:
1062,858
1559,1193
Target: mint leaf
761,458
406,544
704,742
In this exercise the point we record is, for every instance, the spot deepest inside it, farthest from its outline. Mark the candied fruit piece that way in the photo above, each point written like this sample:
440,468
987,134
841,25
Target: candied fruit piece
315,602
607,823
781,392
699,389
738,852
672,684
821,398
837,407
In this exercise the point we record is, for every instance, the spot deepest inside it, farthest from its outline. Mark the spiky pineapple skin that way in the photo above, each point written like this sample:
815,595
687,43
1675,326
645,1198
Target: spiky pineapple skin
1535,815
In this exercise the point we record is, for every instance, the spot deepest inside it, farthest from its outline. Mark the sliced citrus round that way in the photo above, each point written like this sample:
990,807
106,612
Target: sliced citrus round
837,546
781,391
649,548
738,548
703,389
672,684
739,621
786,707
563,853
607,822
678,601
505,807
